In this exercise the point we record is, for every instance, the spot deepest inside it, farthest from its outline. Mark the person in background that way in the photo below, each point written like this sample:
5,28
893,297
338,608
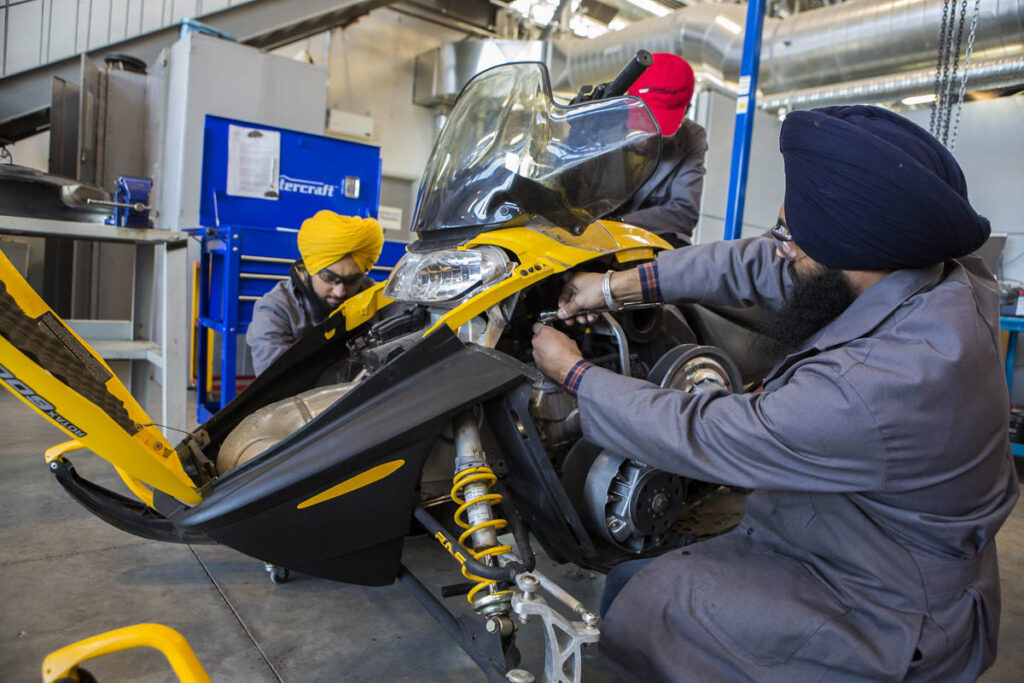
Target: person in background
336,253
669,202
867,549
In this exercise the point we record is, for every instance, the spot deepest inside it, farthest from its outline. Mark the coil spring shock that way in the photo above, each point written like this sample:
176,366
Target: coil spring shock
471,491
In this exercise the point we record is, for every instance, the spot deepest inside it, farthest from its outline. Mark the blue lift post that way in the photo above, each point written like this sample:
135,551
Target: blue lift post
746,101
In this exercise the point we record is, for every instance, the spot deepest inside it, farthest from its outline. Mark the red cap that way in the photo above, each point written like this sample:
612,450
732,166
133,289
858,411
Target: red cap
666,87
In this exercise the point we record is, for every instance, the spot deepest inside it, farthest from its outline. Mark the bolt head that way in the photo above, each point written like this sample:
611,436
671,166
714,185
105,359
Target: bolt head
527,582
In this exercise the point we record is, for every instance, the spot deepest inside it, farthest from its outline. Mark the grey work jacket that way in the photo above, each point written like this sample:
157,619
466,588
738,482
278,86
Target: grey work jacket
279,318
669,202
881,466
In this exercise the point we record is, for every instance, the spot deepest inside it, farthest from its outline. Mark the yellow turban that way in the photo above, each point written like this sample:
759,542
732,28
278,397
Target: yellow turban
328,237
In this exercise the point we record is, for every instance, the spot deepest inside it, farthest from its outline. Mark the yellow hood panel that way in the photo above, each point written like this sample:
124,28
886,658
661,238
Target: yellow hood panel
50,368
545,251
541,252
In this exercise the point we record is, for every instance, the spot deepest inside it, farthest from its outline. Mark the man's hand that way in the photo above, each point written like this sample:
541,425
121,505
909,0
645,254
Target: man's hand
553,352
581,293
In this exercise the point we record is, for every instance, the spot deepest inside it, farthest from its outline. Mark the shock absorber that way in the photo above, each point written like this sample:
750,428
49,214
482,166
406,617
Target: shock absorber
471,491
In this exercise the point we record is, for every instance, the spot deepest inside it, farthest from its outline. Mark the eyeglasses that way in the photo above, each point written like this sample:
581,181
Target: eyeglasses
783,240
780,232
333,279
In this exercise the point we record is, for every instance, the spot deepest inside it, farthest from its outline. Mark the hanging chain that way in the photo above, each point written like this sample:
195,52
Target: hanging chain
963,77
955,49
943,45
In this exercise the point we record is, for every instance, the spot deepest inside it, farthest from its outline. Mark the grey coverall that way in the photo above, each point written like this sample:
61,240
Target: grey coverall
669,202
279,318
881,466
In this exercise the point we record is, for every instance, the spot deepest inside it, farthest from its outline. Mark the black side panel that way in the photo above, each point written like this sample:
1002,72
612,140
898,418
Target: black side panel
540,498
355,538
394,415
361,567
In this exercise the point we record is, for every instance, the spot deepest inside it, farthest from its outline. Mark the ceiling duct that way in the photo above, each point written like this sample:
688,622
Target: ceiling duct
441,73
996,73
858,40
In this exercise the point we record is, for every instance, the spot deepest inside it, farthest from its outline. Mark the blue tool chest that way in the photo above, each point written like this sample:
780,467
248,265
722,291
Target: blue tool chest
259,184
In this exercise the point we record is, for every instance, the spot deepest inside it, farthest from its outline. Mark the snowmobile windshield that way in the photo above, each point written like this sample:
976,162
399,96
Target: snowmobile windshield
509,154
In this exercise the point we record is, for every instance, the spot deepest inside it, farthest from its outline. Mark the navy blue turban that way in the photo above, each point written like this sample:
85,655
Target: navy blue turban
867,189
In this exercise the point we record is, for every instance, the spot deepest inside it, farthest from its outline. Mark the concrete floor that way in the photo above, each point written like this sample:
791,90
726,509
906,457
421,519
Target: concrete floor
65,575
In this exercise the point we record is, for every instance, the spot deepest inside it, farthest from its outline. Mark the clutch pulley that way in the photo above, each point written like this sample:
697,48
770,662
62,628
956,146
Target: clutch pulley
630,504
693,368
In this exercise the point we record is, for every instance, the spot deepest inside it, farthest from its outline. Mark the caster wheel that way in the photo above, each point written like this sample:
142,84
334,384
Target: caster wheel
279,575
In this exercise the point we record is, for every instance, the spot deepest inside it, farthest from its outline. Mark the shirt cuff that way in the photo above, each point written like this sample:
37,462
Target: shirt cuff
575,376
649,288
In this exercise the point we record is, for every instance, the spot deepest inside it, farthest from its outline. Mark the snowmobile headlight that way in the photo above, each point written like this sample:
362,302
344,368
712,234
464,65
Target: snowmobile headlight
446,276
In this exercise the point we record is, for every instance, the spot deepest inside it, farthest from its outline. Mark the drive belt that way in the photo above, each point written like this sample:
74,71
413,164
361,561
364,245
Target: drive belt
49,344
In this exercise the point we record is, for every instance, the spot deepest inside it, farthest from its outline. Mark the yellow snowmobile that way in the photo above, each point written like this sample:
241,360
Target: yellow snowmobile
448,416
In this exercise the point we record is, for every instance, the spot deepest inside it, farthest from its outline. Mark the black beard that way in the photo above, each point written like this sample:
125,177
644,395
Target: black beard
817,299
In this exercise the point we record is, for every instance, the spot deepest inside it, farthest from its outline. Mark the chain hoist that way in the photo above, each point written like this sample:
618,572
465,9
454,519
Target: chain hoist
947,100
940,62
950,78
963,77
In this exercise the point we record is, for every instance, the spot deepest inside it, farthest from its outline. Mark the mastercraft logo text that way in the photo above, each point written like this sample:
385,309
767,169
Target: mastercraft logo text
289,184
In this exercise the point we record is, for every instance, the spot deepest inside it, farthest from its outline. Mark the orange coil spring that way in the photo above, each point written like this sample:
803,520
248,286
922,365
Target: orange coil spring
486,476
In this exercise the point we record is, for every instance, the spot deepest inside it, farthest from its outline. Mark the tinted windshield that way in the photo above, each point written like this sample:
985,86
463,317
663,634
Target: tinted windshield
508,153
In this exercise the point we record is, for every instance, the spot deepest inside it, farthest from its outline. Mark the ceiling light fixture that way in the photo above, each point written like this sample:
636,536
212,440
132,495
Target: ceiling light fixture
651,7
917,99
585,27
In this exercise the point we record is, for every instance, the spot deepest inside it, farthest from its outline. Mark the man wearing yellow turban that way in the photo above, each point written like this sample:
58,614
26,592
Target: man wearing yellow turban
337,252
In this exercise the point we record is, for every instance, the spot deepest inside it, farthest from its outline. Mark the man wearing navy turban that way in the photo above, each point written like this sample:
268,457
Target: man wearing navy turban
877,448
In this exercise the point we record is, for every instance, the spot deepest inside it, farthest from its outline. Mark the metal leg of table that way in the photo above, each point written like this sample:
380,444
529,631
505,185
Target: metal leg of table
174,338
143,296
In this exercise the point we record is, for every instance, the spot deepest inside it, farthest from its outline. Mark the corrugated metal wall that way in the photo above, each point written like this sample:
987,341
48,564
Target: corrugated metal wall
36,32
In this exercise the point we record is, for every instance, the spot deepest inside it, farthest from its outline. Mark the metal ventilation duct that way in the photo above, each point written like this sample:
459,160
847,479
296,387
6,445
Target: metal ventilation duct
996,73
858,39
441,73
